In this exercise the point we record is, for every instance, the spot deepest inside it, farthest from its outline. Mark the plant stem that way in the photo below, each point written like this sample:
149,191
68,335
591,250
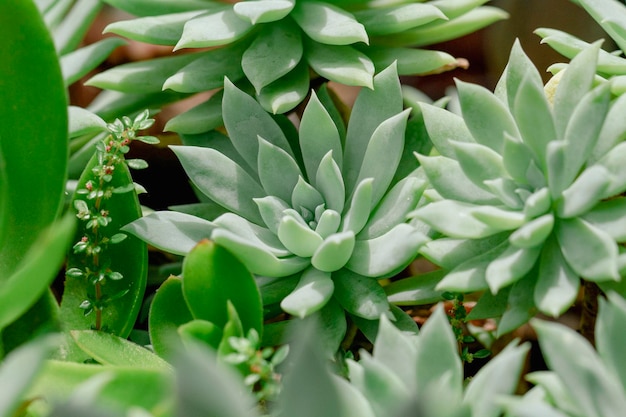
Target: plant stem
591,292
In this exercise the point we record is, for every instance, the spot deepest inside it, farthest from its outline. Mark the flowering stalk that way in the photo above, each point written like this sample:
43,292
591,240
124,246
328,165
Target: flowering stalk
92,203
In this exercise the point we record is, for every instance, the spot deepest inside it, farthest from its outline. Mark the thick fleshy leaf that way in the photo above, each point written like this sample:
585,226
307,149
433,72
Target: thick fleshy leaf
609,338
557,285
275,51
328,223
533,233
214,28
222,180
396,351
610,216
83,122
361,296
312,293
591,252
489,305
499,218
395,19
538,203
263,11
410,61
341,63
518,69
479,162
510,266
612,130
588,189
612,161
318,136
287,92
171,231
160,7
415,290
78,63
330,184
486,116
516,157
208,70
521,305
202,118
443,125
201,330
255,234
449,253
334,252
298,238
161,29
306,197
383,154
611,16
370,109
328,24
278,171
388,253
355,217
455,219
271,209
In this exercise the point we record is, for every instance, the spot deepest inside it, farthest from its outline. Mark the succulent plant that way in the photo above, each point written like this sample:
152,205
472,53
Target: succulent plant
276,45
324,216
527,192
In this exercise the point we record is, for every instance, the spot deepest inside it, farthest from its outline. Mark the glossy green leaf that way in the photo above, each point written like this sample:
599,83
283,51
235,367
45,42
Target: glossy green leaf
510,266
219,26
341,63
77,64
334,252
168,311
328,24
211,277
277,182
161,29
263,11
221,179
395,19
388,253
312,293
557,285
171,231
361,296
275,51
609,216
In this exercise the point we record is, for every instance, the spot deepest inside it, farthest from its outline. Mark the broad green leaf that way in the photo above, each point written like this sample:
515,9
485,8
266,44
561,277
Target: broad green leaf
410,61
455,219
396,351
486,117
168,311
199,119
275,51
82,122
510,266
298,238
328,24
271,209
108,349
359,295
71,31
278,171
202,331
590,252
442,126
612,162
208,70
306,197
287,92
143,76
312,293
516,157
33,156
219,26
533,233
341,63
479,162
395,19
521,69
499,218
159,7
388,253
263,11
588,189
161,29
611,16
352,399
521,305
360,207
331,318
318,136
328,223
78,63
609,338
171,231
222,180
609,216
415,290
538,203
334,252
330,184
490,305
612,132
448,253
557,285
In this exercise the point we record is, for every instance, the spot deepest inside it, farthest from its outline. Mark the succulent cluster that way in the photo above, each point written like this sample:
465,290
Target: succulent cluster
527,192
276,46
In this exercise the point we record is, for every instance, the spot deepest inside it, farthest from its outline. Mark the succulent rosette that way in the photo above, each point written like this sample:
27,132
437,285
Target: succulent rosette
321,214
275,45
527,191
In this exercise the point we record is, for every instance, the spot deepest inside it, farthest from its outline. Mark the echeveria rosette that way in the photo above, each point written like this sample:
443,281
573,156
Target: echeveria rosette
275,45
527,192
324,214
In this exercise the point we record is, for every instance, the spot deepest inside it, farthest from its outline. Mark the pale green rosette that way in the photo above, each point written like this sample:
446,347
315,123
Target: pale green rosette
527,192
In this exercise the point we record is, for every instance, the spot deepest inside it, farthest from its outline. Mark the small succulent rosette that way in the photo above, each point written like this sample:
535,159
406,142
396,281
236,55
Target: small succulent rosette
318,211
527,191
276,45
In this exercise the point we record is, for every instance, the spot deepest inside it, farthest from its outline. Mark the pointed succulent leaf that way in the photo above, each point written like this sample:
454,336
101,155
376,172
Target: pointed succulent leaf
202,118
334,252
538,203
203,331
388,253
162,29
312,293
287,92
611,16
82,121
612,132
479,105
613,162
383,154
328,223
150,8
171,231
490,305
507,191
255,234
79,63
341,63
298,238
328,24
443,125
520,69
516,157
397,351
245,119
500,218
330,184
556,162
271,209
263,11
588,189
415,290
395,19
557,285
590,252
361,296
257,259
609,216
533,233
360,207
510,266
609,338
479,163
448,253
277,182
214,28
455,219
275,51
521,305
305,196
410,61
222,180
318,136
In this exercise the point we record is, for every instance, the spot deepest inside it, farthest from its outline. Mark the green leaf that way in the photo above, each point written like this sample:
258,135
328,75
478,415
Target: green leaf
83,122
201,331
611,161
199,119
330,184
443,125
388,253
304,196
479,162
448,253
612,131
397,351
31,193
362,296
396,19
278,171
490,305
160,7
357,213
312,293
287,92
109,349
298,238
521,305
516,157
533,233
71,31
275,51
410,61
510,266
611,315
211,277
219,26
455,219
611,16
263,11
588,189
328,24
334,252
415,290
78,63
609,217
160,29
341,63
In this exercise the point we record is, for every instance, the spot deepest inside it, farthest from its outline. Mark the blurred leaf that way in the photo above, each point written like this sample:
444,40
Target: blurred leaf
328,24
158,7
79,63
